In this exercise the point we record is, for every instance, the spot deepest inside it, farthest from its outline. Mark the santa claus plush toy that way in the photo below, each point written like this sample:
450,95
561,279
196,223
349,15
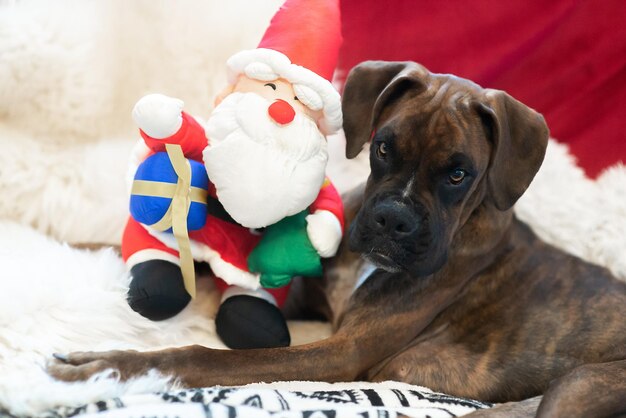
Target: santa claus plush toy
267,212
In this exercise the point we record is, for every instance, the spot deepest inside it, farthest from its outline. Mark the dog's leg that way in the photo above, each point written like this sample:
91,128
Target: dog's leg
378,313
591,390
197,366
338,358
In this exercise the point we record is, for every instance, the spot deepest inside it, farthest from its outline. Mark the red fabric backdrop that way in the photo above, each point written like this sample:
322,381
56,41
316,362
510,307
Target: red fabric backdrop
565,58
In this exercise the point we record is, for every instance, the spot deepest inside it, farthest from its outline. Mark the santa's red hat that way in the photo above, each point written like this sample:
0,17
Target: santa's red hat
301,45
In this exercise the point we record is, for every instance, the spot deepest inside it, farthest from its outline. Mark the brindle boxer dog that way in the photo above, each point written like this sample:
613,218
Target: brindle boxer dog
464,298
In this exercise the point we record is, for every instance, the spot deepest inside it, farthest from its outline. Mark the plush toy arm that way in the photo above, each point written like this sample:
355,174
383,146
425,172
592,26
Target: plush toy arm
329,200
161,121
324,231
158,116
325,223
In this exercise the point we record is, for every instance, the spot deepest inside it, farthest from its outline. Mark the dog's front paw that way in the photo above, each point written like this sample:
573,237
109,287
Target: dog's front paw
81,366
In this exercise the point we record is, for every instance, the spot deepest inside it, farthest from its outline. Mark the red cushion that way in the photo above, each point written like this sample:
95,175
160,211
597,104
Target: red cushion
567,59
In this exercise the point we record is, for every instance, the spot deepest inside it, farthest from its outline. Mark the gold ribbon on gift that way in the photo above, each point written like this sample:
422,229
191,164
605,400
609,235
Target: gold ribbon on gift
182,194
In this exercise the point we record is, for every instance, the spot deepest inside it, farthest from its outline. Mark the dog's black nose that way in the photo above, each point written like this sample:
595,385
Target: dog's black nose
395,220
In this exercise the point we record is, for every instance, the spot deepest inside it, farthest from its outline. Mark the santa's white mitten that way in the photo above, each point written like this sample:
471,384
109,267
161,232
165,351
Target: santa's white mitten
324,231
158,116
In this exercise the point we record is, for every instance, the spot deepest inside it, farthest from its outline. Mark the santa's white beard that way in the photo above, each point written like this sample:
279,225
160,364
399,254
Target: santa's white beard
262,172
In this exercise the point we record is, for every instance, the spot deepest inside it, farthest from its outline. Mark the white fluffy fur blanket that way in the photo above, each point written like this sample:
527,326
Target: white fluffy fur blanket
69,75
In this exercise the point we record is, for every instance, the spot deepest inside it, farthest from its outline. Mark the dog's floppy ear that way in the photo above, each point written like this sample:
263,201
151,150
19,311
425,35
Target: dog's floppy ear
519,137
369,87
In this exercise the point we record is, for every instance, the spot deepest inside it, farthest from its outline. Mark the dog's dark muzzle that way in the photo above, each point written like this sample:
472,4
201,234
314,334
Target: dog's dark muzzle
394,221
389,232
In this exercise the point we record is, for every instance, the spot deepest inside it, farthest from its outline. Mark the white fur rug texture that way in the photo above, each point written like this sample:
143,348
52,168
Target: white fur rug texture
70,72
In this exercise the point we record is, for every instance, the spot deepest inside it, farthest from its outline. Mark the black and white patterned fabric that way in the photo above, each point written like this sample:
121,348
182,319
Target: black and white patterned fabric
283,400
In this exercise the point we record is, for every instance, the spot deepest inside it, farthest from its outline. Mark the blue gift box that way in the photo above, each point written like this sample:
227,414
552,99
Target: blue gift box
150,209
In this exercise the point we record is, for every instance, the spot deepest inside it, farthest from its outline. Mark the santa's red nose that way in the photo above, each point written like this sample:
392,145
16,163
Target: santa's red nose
281,112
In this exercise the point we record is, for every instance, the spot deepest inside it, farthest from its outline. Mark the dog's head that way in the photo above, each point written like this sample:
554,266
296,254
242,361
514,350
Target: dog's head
441,147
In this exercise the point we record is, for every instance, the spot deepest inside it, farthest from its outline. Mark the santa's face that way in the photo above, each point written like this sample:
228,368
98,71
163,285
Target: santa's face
266,156
275,89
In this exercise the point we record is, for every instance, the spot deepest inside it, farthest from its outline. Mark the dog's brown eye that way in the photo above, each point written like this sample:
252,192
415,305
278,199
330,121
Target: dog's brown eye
457,176
381,150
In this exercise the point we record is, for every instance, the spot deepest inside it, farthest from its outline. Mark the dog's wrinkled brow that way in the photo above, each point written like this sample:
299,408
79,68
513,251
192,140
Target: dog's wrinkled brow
454,161
460,160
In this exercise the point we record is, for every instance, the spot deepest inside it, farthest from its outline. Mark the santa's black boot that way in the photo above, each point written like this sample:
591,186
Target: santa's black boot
245,321
157,290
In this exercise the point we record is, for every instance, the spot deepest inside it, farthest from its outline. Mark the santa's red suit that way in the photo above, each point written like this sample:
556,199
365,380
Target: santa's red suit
222,243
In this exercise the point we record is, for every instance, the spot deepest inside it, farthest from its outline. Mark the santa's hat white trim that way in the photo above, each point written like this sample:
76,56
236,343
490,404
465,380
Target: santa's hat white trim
268,64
